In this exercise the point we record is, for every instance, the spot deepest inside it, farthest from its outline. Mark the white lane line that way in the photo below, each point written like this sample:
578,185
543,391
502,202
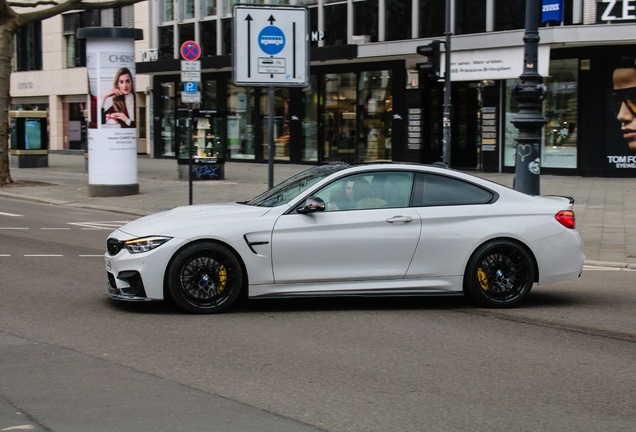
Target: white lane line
10,214
92,256
12,228
43,255
65,229
4,255
101,225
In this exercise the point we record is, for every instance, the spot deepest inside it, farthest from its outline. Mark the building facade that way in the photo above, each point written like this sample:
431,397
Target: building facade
366,102
49,73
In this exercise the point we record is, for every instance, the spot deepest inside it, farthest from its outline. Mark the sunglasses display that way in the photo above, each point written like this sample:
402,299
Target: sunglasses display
626,96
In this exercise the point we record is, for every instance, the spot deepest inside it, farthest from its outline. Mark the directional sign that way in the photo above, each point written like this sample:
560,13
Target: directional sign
190,50
271,46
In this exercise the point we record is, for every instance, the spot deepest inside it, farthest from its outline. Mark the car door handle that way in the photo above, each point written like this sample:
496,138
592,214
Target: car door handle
399,219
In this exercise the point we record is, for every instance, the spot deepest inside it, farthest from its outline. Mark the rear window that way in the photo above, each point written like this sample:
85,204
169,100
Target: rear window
437,190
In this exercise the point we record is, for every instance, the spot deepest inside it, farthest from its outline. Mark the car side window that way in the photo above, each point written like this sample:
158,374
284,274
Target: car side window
438,190
373,190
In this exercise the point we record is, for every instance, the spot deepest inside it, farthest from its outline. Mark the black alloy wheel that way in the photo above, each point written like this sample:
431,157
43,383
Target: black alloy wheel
499,274
205,278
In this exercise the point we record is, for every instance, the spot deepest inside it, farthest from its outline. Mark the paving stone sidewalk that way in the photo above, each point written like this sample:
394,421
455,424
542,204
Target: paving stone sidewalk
605,208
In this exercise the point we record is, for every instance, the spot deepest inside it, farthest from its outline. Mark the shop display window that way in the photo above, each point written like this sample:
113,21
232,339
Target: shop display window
375,115
559,135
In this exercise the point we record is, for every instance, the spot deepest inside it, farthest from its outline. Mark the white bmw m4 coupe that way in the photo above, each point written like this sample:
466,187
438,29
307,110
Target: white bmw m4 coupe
390,229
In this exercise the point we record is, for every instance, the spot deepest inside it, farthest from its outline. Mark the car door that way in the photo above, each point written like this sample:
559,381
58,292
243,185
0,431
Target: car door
454,214
373,237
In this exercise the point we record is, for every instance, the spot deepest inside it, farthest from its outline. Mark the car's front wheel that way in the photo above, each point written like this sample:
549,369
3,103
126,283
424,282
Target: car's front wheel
499,274
205,278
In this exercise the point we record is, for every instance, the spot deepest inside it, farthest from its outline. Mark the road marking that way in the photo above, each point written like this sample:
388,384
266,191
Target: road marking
12,228
55,229
104,225
43,255
92,256
2,255
10,214
595,268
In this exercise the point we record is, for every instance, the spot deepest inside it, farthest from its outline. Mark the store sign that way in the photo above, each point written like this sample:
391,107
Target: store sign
552,10
616,10
494,64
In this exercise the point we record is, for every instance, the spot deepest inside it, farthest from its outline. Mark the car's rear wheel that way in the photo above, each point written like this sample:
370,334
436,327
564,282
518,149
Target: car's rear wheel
205,278
499,274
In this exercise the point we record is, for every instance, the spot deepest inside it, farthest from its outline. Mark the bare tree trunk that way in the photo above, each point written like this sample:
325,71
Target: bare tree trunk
7,30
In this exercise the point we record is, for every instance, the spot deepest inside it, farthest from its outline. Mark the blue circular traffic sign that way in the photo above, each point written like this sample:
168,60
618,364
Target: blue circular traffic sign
271,40
190,50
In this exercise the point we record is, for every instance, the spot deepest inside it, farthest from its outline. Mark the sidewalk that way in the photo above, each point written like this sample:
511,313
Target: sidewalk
605,207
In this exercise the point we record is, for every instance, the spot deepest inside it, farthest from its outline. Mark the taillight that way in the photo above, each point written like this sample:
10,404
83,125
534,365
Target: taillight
566,218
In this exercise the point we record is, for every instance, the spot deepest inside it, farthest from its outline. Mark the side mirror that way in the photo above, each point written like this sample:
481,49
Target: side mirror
312,204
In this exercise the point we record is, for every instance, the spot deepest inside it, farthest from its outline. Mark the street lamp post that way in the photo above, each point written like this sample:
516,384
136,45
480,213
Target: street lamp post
529,120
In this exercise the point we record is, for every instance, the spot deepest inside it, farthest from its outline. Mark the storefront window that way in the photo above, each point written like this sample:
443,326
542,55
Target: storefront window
281,123
167,95
209,94
375,114
310,121
559,141
339,117
240,122
186,33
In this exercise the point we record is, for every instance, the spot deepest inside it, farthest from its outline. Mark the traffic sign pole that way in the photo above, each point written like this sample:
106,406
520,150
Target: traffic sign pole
271,49
190,75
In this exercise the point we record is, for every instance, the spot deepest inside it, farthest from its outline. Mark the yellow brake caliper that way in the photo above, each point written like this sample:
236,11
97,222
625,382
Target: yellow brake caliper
222,279
483,279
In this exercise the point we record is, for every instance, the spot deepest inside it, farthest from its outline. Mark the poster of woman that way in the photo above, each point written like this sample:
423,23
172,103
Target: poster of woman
118,103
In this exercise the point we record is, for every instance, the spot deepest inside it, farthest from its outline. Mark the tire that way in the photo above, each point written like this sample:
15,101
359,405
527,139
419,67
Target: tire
499,274
205,278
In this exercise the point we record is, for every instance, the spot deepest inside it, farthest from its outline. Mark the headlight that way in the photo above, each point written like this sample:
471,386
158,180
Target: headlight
145,244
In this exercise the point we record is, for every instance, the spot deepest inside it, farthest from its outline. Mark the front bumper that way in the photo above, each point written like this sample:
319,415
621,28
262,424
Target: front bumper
120,294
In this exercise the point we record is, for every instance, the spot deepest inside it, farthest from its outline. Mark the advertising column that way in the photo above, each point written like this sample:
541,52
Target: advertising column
112,122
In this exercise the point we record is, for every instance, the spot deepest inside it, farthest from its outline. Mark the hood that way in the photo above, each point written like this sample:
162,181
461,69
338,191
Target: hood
173,222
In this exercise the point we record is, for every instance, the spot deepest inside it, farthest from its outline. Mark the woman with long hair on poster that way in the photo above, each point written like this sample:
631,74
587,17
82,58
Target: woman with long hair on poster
118,103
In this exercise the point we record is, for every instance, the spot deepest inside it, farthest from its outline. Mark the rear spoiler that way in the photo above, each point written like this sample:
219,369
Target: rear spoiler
562,196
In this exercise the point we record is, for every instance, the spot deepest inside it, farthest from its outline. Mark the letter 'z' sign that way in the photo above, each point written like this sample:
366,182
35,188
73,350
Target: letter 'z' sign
190,50
271,46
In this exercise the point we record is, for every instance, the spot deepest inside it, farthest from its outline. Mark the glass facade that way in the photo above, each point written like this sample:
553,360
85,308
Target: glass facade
346,113
241,138
560,109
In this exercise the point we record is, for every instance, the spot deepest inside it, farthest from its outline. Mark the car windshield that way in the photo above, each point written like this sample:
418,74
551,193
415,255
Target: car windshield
294,186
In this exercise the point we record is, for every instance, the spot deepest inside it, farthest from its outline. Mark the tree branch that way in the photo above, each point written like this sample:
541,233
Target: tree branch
69,5
34,4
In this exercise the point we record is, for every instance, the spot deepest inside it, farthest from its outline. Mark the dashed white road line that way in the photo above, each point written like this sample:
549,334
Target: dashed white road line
42,255
10,214
57,229
12,228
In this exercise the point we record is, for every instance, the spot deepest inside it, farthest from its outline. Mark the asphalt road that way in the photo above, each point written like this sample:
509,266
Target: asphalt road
73,360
